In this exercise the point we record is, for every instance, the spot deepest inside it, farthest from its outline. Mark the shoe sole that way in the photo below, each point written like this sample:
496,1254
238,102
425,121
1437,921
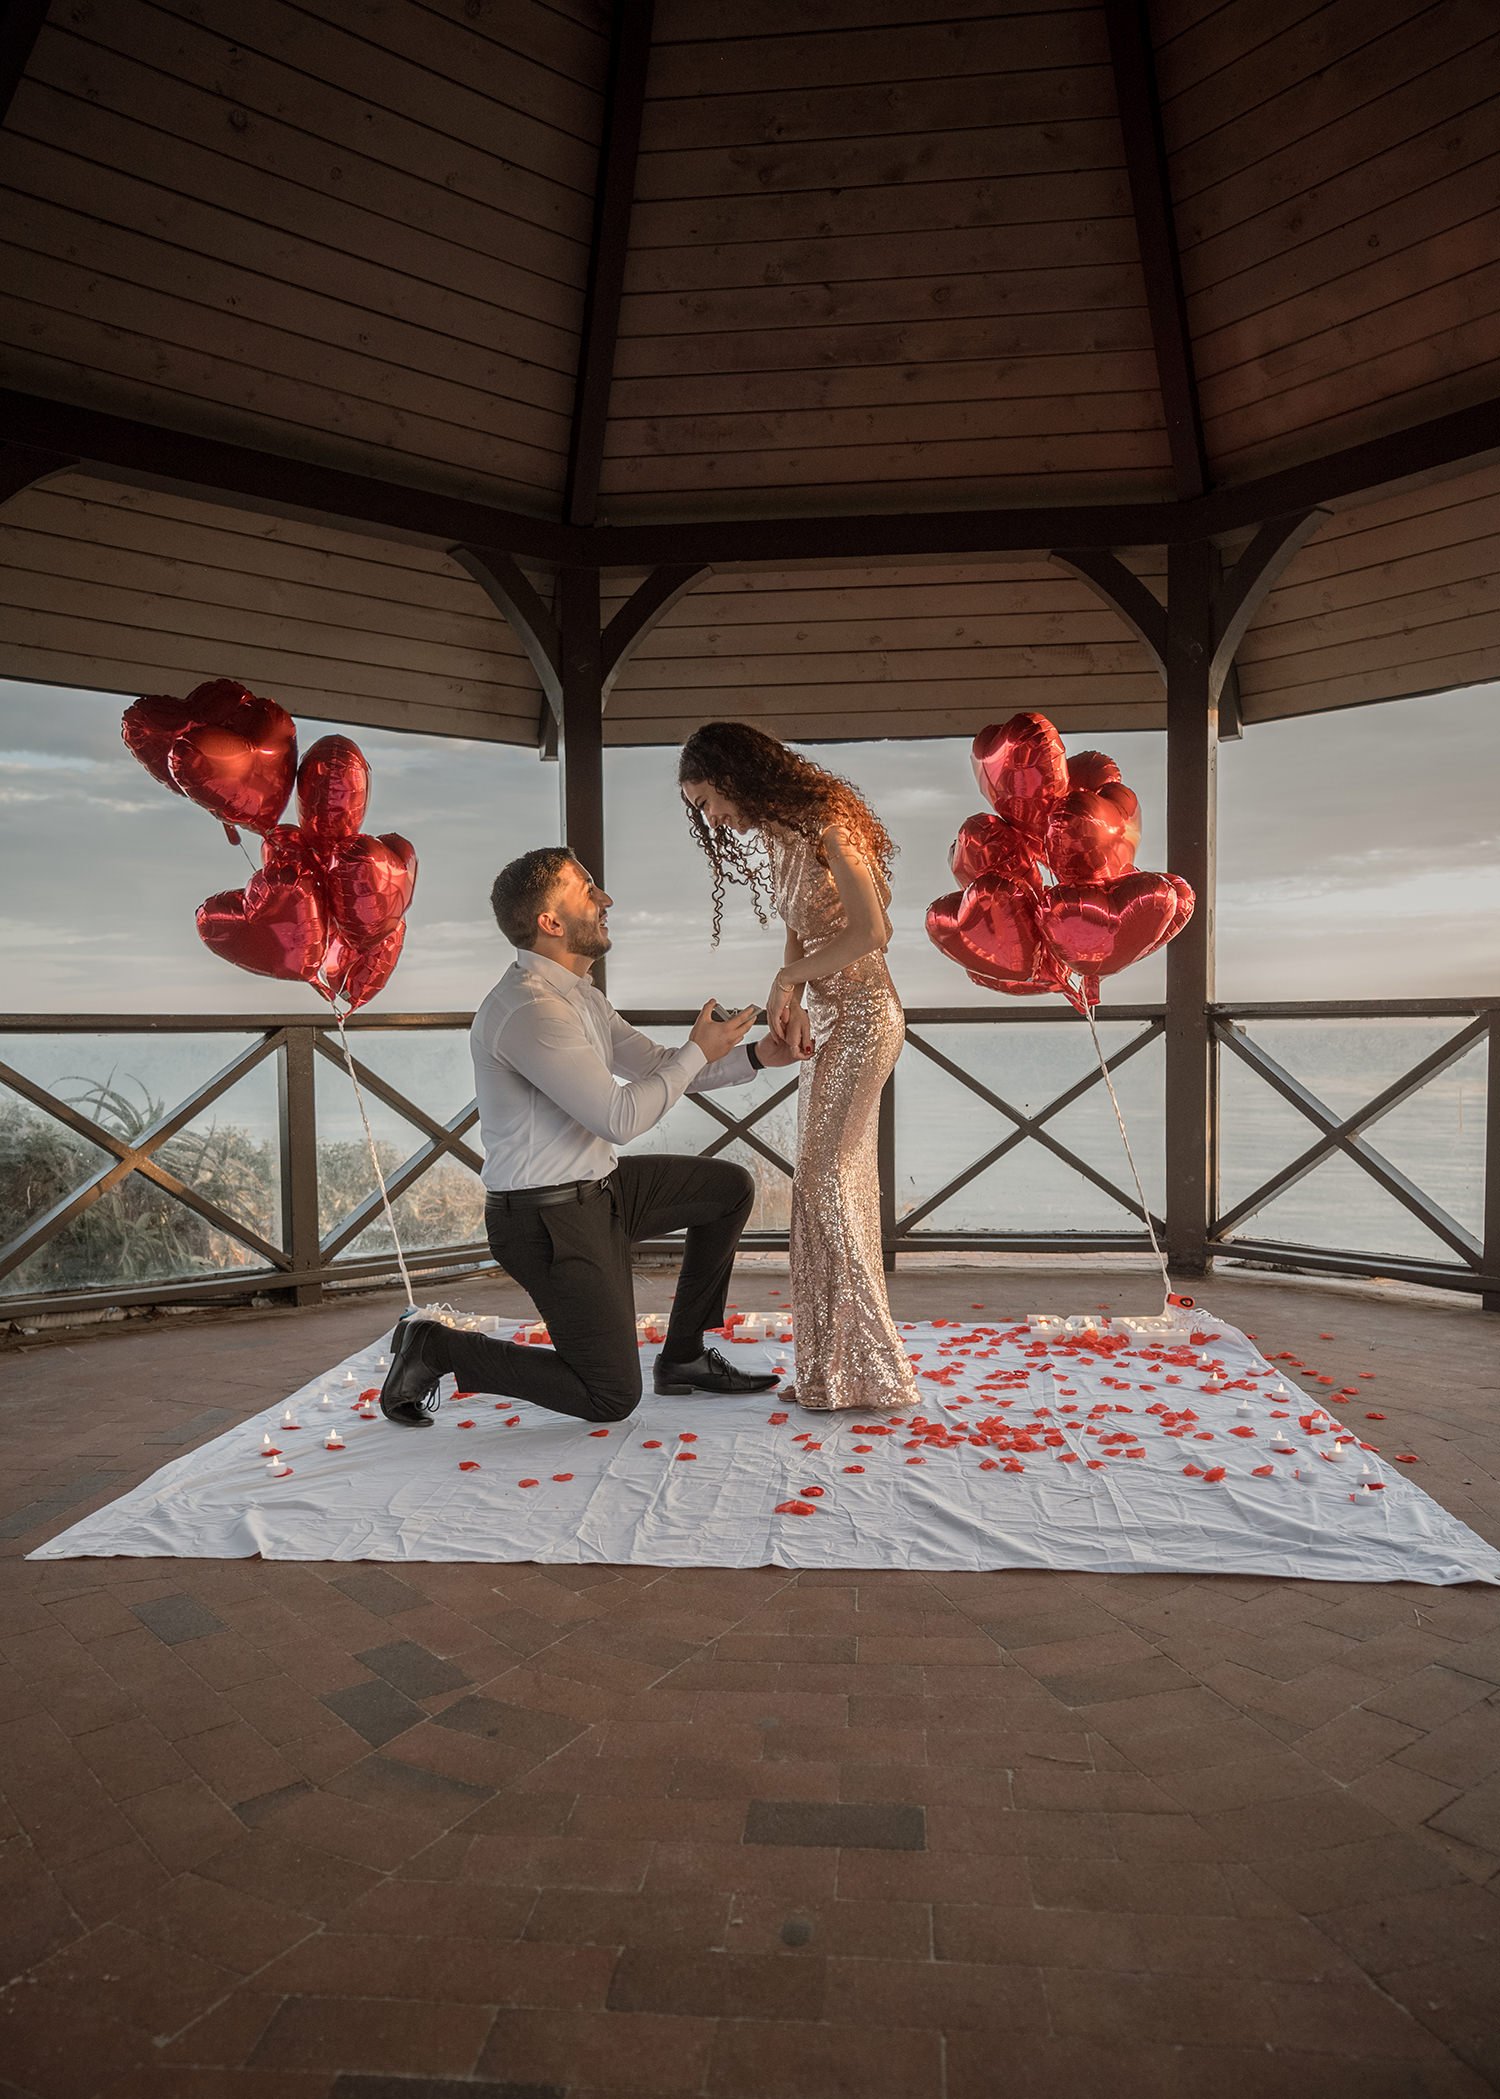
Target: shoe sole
398,1348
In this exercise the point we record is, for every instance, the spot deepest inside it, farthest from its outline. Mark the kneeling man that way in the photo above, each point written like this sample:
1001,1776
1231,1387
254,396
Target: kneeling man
563,1210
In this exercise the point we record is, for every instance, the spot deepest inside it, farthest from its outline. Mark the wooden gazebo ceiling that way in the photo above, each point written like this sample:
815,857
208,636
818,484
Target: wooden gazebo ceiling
858,261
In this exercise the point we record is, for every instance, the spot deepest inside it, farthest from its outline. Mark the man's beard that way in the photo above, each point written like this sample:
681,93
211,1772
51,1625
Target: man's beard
587,938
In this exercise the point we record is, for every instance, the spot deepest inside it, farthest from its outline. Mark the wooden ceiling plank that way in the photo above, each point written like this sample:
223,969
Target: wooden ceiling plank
614,197
919,49
140,373
1061,194
1285,146
74,91
641,613
1133,62
22,468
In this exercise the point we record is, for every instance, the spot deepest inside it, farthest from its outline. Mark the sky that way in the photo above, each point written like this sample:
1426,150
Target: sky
1359,858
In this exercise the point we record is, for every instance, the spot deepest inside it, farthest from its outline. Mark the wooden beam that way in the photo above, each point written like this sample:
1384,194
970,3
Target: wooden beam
533,625
1192,760
1123,592
614,197
1468,436
581,742
147,455
21,467
20,26
1133,61
650,602
1238,594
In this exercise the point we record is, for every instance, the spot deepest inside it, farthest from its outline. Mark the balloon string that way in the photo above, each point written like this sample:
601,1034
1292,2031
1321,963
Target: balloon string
1166,1280
385,1200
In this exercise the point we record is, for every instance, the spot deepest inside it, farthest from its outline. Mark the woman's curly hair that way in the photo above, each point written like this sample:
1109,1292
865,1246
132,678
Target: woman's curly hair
770,784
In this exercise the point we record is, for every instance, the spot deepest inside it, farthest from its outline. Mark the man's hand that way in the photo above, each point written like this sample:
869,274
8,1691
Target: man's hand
795,1047
716,1038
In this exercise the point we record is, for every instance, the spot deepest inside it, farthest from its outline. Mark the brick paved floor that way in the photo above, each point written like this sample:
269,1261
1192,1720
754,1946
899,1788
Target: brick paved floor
300,1830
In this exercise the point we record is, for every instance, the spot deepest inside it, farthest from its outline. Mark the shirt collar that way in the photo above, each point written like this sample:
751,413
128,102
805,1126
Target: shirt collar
552,973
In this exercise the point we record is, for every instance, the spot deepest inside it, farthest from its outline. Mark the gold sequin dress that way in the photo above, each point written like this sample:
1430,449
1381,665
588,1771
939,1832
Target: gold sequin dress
848,1353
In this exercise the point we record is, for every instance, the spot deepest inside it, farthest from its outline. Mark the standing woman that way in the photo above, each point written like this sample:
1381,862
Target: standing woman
830,869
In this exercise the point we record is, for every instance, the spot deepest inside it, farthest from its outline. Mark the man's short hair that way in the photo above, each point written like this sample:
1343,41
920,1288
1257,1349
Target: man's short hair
522,889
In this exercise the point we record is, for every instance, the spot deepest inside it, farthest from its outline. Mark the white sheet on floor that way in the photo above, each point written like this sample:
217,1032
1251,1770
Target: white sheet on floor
706,1482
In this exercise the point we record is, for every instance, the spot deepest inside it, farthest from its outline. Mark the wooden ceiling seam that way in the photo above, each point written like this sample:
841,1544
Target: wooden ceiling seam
614,199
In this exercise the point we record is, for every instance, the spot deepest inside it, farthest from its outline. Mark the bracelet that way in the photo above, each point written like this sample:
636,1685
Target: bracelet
753,1054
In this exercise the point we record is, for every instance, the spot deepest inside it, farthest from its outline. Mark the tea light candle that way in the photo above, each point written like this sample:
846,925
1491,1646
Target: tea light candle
333,1440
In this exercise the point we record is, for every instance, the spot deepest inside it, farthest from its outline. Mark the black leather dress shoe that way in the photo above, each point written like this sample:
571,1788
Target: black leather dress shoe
708,1373
409,1394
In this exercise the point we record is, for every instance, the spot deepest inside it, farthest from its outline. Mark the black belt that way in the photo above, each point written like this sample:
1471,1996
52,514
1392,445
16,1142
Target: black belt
539,1198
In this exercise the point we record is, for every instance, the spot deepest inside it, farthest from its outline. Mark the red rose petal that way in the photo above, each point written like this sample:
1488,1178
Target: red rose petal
776,1420
598,1431
651,1446
1263,1472
812,1493
1374,1417
468,1465
562,1475
854,1468
466,1424
528,1483
687,1457
687,1435
1212,1477
795,1508
1193,1472
1407,1457
916,1461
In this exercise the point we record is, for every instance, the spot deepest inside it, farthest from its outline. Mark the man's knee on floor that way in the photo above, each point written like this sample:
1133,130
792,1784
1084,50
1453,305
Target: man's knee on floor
614,1402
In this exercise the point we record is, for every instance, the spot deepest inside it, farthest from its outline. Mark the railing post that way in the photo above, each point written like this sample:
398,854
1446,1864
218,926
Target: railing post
1490,1298
885,1149
1192,778
298,1103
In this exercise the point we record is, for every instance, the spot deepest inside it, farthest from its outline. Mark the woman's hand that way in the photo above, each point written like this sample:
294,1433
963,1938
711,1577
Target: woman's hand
781,1003
799,1036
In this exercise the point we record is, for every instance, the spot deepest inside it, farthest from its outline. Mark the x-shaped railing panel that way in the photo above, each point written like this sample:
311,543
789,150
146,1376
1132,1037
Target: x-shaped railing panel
1341,1133
742,1126
138,1156
444,1140
1030,1127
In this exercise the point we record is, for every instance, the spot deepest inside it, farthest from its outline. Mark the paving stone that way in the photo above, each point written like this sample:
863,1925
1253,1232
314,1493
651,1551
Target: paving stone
378,1591
520,1728
376,1710
412,1669
177,1618
814,1822
357,2087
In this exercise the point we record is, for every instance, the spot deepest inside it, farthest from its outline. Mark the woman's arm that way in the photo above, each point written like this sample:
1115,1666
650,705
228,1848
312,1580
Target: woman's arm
868,930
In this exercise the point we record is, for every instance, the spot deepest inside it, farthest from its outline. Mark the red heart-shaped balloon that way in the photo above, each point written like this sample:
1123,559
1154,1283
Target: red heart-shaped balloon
273,928
1022,771
988,845
355,975
370,884
1186,901
1093,771
333,788
998,918
1099,928
1092,837
150,727
943,932
237,758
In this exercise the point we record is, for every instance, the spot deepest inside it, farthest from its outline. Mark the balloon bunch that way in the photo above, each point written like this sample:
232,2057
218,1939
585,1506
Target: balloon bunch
327,905
1076,821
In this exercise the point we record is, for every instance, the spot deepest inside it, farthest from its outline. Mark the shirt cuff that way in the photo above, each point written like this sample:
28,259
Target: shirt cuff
692,1056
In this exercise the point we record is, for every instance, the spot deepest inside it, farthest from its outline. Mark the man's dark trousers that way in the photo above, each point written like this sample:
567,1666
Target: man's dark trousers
573,1258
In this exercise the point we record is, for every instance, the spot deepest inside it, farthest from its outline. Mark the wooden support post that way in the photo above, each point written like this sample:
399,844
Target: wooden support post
1192,795
581,737
298,1106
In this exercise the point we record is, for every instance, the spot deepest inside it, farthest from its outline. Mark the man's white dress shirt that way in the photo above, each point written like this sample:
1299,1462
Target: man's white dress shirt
548,1049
